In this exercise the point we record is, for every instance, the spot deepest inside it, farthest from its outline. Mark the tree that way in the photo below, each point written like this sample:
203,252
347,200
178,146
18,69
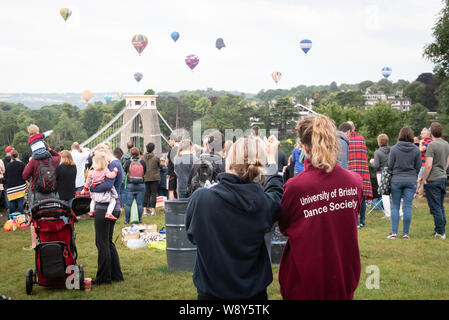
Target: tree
333,86
283,116
416,91
352,98
91,118
365,85
149,92
202,105
418,118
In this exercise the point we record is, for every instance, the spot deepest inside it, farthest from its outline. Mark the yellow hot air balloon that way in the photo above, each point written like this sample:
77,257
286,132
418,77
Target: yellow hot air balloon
65,13
86,95
276,76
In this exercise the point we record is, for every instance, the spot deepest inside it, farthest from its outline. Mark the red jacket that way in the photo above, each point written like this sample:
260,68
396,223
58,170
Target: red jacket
30,170
321,259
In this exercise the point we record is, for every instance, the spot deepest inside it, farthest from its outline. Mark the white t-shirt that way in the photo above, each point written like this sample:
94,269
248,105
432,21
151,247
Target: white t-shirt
80,159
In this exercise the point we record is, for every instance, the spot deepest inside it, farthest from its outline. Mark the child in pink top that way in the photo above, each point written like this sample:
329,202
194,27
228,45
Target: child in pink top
96,176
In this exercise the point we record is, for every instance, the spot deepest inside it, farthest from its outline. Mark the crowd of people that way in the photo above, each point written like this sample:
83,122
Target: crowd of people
237,191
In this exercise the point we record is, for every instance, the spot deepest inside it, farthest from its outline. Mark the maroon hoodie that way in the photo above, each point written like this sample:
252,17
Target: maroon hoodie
321,259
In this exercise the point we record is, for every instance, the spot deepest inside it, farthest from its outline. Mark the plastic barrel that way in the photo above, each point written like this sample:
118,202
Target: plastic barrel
181,253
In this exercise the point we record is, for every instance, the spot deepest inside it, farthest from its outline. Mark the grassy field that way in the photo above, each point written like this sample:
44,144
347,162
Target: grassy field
409,269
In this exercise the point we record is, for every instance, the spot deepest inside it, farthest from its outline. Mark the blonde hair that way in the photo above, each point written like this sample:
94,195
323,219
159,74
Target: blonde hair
319,134
382,140
103,147
33,129
66,158
184,145
99,162
247,158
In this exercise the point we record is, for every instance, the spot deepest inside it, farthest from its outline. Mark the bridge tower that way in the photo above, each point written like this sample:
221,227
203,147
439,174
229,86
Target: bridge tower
144,128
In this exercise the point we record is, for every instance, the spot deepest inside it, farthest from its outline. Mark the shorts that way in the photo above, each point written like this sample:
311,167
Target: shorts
421,173
172,183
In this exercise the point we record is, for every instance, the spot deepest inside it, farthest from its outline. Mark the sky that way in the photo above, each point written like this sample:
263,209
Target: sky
352,41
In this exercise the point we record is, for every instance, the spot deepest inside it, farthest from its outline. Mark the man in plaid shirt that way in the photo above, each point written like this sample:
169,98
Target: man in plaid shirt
358,162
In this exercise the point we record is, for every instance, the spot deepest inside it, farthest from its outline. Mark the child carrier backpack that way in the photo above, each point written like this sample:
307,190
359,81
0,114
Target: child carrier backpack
46,177
135,172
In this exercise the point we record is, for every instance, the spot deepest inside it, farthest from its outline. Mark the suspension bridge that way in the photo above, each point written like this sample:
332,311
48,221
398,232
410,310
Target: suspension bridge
139,122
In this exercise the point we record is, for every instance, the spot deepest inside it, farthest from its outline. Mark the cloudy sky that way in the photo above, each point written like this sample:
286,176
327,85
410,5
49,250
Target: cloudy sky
352,41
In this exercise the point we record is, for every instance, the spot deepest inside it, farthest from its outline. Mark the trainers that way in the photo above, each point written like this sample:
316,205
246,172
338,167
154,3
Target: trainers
442,236
385,217
405,236
392,236
109,216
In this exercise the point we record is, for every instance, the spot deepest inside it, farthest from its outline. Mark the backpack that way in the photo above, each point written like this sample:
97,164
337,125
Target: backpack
135,172
46,177
385,182
202,175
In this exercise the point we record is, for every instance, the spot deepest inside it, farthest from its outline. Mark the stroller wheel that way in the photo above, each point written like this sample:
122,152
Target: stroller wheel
29,281
81,270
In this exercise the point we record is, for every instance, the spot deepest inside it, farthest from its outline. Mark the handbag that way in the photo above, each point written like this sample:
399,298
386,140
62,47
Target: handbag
384,188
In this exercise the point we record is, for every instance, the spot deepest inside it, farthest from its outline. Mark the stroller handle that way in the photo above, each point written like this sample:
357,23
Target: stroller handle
51,204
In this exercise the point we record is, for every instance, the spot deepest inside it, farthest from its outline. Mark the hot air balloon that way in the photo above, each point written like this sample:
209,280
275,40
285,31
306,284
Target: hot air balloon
305,45
192,61
139,42
86,95
175,36
138,76
107,98
276,76
119,95
65,13
219,43
386,72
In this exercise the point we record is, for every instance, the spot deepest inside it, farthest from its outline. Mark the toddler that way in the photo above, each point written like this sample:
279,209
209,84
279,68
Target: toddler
96,176
36,142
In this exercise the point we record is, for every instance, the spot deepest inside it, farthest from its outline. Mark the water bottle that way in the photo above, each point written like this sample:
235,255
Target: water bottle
14,225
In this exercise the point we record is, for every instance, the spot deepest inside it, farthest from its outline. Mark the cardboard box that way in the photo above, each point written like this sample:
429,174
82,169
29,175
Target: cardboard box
150,228
129,236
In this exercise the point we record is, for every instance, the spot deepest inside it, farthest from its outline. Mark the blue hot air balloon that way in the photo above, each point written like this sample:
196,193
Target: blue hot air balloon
138,76
386,72
305,45
107,98
175,36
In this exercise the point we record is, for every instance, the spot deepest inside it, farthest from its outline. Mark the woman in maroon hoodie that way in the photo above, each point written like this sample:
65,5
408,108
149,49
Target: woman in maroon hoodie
319,215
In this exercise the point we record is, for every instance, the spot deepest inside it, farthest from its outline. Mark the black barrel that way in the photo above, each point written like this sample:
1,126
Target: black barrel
181,253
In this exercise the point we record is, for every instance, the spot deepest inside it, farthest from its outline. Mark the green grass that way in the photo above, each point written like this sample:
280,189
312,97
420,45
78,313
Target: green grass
413,269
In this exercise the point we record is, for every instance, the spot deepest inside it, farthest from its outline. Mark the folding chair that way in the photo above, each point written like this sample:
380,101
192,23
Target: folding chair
377,198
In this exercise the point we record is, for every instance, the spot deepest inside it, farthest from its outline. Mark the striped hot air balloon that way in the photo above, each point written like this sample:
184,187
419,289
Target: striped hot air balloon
386,72
139,42
276,75
192,61
65,13
305,45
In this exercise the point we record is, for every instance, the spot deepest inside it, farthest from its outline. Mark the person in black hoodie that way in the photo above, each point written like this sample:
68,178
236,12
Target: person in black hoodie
228,222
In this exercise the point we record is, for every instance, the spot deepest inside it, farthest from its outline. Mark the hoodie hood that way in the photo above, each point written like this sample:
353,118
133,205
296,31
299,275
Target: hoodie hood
406,146
343,137
385,149
240,194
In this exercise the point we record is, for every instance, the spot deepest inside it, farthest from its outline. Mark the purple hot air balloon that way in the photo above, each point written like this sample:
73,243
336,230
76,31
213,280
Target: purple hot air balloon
192,61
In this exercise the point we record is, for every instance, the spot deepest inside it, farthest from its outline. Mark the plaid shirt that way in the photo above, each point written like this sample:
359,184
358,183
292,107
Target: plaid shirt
358,161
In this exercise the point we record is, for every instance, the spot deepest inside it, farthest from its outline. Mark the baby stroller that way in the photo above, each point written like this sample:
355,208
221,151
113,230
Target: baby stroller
54,222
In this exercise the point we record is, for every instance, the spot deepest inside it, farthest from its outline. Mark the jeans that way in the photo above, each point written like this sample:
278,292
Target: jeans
122,196
362,211
16,205
435,192
134,191
5,195
407,191
182,195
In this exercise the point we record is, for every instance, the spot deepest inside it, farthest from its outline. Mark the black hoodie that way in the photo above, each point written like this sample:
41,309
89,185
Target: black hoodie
227,223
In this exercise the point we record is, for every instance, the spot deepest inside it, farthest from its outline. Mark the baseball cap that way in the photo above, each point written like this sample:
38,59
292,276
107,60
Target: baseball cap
9,149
